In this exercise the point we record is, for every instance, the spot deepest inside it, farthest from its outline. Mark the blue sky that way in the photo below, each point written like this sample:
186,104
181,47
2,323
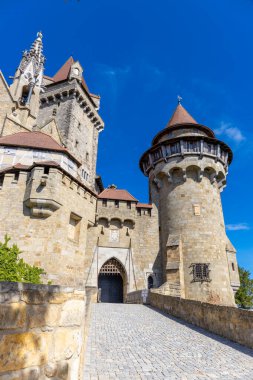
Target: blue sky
139,55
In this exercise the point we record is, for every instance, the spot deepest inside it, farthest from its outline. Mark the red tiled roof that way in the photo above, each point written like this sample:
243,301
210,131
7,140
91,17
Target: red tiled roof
144,205
18,166
37,140
181,116
46,163
121,195
63,72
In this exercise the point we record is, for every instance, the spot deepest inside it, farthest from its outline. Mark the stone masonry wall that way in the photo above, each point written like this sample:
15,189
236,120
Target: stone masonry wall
137,246
192,227
45,241
42,331
227,321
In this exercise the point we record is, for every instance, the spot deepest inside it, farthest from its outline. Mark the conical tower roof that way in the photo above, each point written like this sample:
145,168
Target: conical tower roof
180,116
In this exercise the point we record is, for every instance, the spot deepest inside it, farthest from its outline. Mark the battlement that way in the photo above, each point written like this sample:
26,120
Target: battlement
42,187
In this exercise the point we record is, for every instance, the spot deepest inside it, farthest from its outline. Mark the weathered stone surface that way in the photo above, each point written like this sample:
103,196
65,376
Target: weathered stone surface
23,374
12,316
23,350
68,342
72,313
43,315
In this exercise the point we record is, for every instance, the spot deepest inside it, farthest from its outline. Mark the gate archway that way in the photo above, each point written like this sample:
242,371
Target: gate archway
112,281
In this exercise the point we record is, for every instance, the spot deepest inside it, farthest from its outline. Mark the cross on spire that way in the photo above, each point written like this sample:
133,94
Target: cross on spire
179,98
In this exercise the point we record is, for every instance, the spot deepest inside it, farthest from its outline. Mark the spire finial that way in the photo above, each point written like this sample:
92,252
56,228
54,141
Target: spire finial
179,99
39,35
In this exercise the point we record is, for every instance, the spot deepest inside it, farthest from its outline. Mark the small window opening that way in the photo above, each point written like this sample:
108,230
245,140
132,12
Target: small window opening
129,205
150,282
74,227
87,156
138,211
200,272
46,170
16,176
76,143
116,204
104,203
25,95
233,266
1,180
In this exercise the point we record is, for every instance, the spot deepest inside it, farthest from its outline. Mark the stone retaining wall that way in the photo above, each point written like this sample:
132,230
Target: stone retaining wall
229,322
42,331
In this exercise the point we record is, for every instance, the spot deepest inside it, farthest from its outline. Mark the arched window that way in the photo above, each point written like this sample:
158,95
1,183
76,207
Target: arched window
24,96
150,282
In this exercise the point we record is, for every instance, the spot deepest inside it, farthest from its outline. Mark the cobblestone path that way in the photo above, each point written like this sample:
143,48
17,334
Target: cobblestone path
136,342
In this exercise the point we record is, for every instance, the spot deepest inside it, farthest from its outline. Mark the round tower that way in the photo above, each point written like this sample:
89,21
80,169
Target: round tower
187,168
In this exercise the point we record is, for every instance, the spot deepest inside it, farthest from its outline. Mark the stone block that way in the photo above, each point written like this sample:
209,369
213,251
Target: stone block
72,313
67,342
23,350
43,315
12,316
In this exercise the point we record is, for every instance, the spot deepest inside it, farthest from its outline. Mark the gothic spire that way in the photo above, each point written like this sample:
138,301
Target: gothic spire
33,61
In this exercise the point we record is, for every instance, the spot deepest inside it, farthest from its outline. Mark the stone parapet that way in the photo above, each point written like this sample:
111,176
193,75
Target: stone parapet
229,322
42,330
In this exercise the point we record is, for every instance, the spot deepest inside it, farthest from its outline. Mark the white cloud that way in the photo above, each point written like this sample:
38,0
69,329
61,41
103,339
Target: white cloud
230,131
237,227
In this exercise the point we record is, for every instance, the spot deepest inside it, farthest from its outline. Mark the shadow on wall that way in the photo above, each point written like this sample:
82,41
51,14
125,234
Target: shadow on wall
41,331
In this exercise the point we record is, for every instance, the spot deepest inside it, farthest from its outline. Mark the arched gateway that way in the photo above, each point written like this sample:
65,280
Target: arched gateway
112,281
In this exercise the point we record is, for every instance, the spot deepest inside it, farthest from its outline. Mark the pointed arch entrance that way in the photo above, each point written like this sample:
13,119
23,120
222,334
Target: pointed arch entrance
112,281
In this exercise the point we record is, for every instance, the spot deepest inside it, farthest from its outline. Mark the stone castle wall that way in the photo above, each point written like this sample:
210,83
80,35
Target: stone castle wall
137,245
42,331
227,321
47,216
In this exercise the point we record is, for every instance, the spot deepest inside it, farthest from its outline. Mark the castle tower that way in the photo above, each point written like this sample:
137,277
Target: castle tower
26,86
68,103
187,168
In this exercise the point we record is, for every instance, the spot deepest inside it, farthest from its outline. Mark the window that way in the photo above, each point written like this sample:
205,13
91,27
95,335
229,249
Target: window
85,175
46,170
16,176
37,154
175,148
76,143
76,71
138,211
104,203
25,95
200,272
233,266
1,180
129,205
87,156
74,227
150,282
116,204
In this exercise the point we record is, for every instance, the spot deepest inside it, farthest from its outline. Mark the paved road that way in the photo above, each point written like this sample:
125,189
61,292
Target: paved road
136,342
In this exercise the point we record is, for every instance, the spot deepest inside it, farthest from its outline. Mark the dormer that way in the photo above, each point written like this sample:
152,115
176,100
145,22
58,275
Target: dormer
76,71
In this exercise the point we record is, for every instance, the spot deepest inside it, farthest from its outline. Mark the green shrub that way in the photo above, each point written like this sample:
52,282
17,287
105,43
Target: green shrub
244,295
13,268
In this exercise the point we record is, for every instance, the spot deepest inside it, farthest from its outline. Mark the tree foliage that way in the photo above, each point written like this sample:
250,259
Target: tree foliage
244,295
13,268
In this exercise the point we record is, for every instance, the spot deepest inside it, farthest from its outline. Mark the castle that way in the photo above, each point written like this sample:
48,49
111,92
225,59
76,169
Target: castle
54,206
